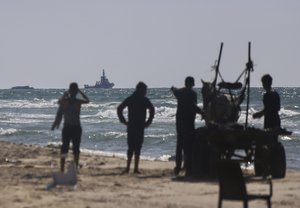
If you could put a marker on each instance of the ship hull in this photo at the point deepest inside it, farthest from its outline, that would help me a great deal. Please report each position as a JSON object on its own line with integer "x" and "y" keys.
{"x": 98, "y": 87}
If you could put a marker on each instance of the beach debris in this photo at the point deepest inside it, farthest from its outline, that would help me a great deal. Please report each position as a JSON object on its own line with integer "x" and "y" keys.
{"x": 28, "y": 166}
{"x": 13, "y": 161}
{"x": 67, "y": 179}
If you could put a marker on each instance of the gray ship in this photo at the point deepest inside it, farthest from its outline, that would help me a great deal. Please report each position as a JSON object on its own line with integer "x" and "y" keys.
{"x": 26, "y": 87}
{"x": 103, "y": 83}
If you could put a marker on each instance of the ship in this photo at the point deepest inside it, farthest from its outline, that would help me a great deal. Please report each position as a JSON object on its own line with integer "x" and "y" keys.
{"x": 22, "y": 88}
{"x": 103, "y": 83}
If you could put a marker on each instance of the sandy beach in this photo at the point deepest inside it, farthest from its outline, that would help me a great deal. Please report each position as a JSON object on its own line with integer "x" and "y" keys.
{"x": 25, "y": 171}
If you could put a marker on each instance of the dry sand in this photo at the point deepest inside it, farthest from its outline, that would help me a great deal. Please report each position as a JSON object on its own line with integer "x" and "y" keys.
{"x": 25, "y": 171}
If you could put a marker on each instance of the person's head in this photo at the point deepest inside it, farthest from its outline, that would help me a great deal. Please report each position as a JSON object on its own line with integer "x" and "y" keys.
{"x": 73, "y": 89}
{"x": 266, "y": 81}
{"x": 189, "y": 82}
{"x": 141, "y": 88}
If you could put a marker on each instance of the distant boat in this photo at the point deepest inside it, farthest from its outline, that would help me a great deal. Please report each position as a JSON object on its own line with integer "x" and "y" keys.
{"x": 103, "y": 83}
{"x": 26, "y": 87}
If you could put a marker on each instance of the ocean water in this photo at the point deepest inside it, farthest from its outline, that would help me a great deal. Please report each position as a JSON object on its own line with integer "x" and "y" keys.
{"x": 26, "y": 117}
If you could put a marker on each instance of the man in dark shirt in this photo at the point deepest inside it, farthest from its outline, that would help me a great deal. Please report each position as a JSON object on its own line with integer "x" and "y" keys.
{"x": 271, "y": 102}
{"x": 185, "y": 123}
{"x": 137, "y": 105}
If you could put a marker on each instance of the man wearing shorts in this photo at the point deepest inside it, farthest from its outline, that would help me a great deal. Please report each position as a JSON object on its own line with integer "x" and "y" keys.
{"x": 69, "y": 109}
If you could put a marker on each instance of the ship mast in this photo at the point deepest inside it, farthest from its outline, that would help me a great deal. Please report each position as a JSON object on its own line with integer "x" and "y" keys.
{"x": 102, "y": 78}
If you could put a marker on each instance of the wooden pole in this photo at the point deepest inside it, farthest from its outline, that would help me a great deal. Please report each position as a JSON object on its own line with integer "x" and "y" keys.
{"x": 217, "y": 67}
{"x": 249, "y": 68}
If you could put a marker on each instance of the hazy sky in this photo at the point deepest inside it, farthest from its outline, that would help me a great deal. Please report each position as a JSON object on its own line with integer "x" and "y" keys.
{"x": 49, "y": 43}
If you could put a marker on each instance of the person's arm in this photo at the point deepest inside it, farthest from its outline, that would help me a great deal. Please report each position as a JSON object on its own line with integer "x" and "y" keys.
{"x": 261, "y": 113}
{"x": 120, "y": 109}
{"x": 151, "y": 114}
{"x": 200, "y": 111}
{"x": 197, "y": 109}
{"x": 58, "y": 119}
{"x": 278, "y": 102}
{"x": 85, "y": 98}
{"x": 174, "y": 91}
{"x": 258, "y": 114}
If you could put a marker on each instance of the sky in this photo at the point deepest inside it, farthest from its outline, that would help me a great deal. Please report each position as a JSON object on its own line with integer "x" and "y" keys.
{"x": 50, "y": 43}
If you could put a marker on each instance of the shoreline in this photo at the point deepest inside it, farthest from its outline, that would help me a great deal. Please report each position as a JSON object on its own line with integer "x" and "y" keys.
{"x": 25, "y": 171}
{"x": 101, "y": 153}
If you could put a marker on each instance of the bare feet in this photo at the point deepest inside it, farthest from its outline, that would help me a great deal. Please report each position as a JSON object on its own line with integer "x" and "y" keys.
{"x": 136, "y": 172}
{"x": 126, "y": 171}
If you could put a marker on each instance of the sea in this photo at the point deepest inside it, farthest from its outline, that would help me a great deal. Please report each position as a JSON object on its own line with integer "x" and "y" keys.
{"x": 26, "y": 117}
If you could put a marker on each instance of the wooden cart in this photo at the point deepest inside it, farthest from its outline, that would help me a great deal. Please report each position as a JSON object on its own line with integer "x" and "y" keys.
{"x": 251, "y": 146}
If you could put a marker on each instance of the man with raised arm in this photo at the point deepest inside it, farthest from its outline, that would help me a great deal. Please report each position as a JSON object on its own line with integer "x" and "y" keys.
{"x": 185, "y": 124}
{"x": 69, "y": 109}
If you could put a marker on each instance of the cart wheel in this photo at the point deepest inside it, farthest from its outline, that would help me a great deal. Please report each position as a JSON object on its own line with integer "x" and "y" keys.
{"x": 261, "y": 161}
{"x": 278, "y": 164}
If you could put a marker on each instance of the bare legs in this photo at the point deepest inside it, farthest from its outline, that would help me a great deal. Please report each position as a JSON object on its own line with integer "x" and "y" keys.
{"x": 136, "y": 163}
{"x": 63, "y": 161}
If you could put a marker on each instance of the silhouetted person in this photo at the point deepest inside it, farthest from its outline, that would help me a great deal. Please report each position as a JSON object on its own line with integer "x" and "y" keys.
{"x": 185, "y": 124}
{"x": 69, "y": 109}
{"x": 271, "y": 102}
{"x": 137, "y": 105}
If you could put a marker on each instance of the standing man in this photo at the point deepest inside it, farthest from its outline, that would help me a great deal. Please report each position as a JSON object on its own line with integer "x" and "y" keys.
{"x": 271, "y": 102}
{"x": 137, "y": 105}
{"x": 185, "y": 124}
{"x": 69, "y": 108}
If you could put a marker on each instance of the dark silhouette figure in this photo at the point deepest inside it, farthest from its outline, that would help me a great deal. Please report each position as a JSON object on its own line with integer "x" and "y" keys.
{"x": 137, "y": 105}
{"x": 69, "y": 109}
{"x": 185, "y": 124}
{"x": 271, "y": 102}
